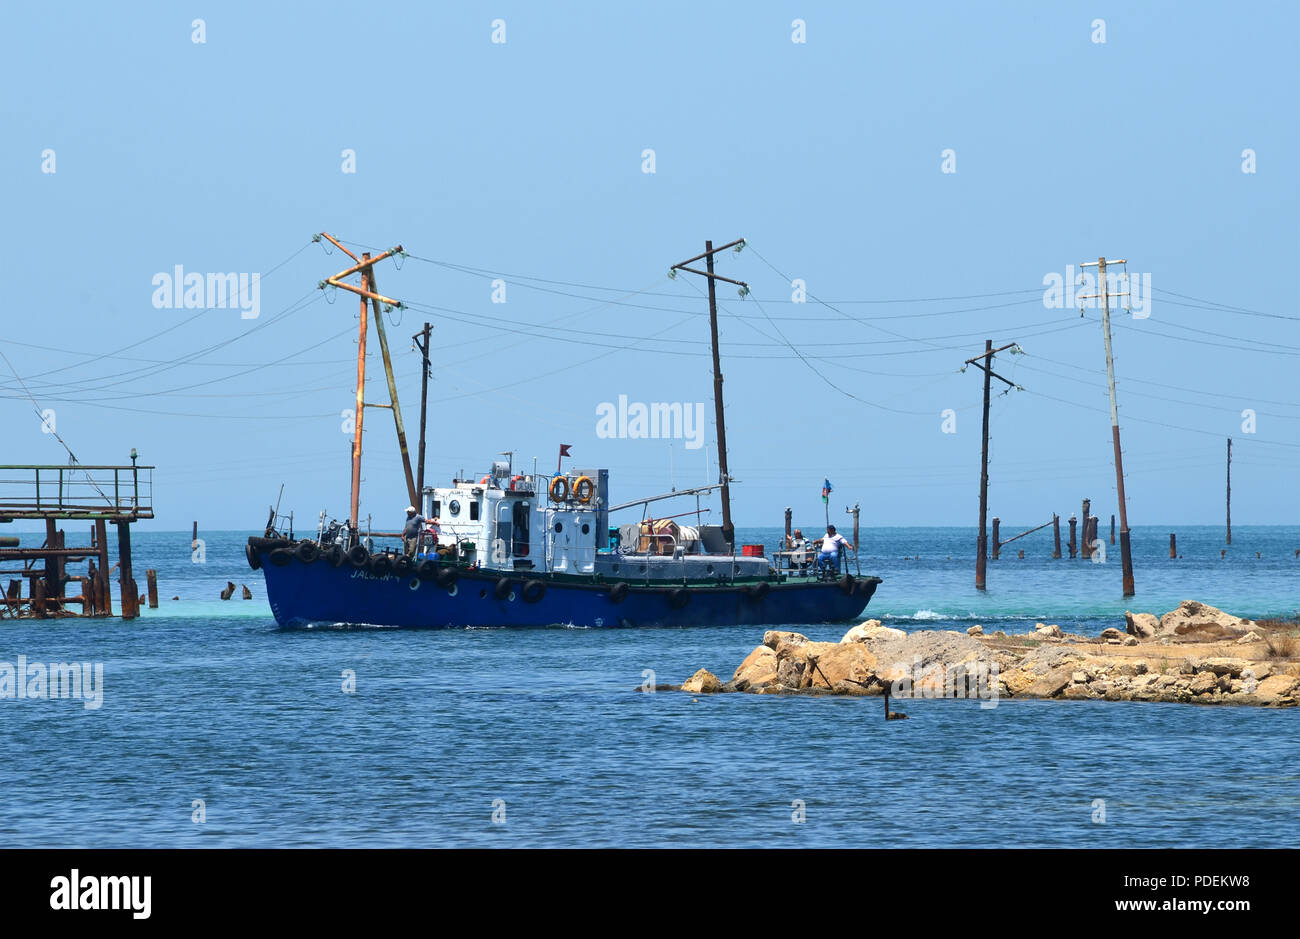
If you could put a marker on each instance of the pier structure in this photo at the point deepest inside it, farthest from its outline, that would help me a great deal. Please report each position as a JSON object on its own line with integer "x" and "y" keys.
{"x": 98, "y": 495}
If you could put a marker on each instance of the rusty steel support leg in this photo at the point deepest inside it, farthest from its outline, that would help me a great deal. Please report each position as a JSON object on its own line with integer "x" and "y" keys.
{"x": 126, "y": 581}
{"x": 104, "y": 591}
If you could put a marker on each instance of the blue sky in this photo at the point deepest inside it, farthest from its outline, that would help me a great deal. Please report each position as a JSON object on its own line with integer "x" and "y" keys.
{"x": 523, "y": 161}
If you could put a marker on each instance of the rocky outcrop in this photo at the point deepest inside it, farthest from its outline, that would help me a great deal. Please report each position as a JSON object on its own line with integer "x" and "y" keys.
{"x": 1192, "y": 654}
{"x": 1195, "y": 620}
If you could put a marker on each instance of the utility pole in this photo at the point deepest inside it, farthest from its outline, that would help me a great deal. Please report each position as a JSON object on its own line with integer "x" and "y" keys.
{"x": 985, "y": 364}
{"x": 728, "y": 531}
{"x": 1125, "y": 550}
{"x": 1229, "y": 541}
{"x": 423, "y": 346}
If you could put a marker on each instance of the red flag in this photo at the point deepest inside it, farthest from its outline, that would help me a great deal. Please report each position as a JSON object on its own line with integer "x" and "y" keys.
{"x": 564, "y": 449}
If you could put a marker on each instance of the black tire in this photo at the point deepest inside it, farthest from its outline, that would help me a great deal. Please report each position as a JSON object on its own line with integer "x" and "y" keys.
{"x": 447, "y": 577}
{"x": 533, "y": 591}
{"x": 403, "y": 565}
{"x": 380, "y": 565}
{"x": 427, "y": 569}
{"x": 618, "y": 592}
{"x": 281, "y": 557}
{"x": 358, "y": 557}
{"x": 307, "y": 551}
{"x": 502, "y": 588}
{"x": 254, "y": 559}
{"x": 758, "y": 591}
{"x": 333, "y": 555}
{"x": 846, "y": 583}
{"x": 678, "y": 598}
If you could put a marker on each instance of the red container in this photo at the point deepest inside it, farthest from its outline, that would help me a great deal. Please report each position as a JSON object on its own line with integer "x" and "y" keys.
{"x": 752, "y": 550}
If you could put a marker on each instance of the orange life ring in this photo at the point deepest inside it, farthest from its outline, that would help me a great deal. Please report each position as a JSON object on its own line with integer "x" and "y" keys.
{"x": 583, "y": 489}
{"x": 562, "y": 484}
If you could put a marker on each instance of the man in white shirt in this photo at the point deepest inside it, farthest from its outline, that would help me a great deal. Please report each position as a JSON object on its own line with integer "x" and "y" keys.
{"x": 829, "y": 556}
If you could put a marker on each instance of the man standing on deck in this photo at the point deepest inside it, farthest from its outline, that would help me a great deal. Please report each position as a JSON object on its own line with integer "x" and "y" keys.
{"x": 411, "y": 532}
{"x": 829, "y": 556}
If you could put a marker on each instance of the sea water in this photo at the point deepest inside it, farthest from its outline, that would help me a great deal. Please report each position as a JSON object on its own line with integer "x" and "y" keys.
{"x": 216, "y": 728}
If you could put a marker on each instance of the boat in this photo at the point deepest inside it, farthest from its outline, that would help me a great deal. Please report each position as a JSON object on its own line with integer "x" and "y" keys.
{"x": 534, "y": 549}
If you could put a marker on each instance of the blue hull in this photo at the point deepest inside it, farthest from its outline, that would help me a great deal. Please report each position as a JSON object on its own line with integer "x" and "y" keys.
{"x": 318, "y": 592}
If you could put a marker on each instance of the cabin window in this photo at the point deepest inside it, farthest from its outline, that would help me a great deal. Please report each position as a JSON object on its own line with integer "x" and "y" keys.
{"x": 585, "y": 528}
{"x": 435, "y": 509}
{"x": 521, "y": 538}
{"x": 473, "y": 511}
{"x": 454, "y": 507}
{"x": 559, "y": 527}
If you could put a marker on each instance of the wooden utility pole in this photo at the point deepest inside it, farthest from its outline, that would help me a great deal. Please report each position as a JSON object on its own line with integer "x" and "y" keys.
{"x": 728, "y": 530}
{"x": 1229, "y": 541}
{"x": 422, "y": 343}
{"x": 985, "y": 363}
{"x": 1125, "y": 549}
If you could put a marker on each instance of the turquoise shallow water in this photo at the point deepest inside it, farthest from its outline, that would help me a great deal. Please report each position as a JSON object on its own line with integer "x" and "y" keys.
{"x": 205, "y": 699}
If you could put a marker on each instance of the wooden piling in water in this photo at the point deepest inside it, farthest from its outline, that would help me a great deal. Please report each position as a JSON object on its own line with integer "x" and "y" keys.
{"x": 1094, "y": 527}
{"x": 1074, "y": 542}
{"x": 151, "y": 580}
{"x": 1112, "y": 529}
{"x": 1056, "y": 535}
{"x": 997, "y": 548}
{"x": 1173, "y": 547}
{"x": 1085, "y": 542}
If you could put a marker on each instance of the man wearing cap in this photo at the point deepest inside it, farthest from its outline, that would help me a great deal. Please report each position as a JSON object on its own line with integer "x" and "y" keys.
{"x": 411, "y": 532}
{"x": 828, "y": 559}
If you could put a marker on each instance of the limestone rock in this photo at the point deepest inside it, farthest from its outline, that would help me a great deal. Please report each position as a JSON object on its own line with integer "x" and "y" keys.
{"x": 702, "y": 682}
{"x": 1050, "y": 685}
{"x": 1274, "y": 689}
{"x": 871, "y": 630}
{"x": 1251, "y": 636}
{"x": 773, "y": 637}
{"x": 759, "y": 667}
{"x": 975, "y": 631}
{"x": 1110, "y": 632}
{"x": 1204, "y": 683}
{"x": 1142, "y": 625}
{"x": 1223, "y": 666}
{"x": 790, "y": 672}
{"x": 1130, "y": 640}
{"x": 848, "y": 662}
{"x": 1193, "y": 619}
{"x": 1043, "y": 631}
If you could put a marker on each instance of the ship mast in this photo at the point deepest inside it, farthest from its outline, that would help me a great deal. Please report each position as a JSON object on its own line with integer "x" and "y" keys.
{"x": 366, "y": 291}
{"x": 728, "y": 530}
